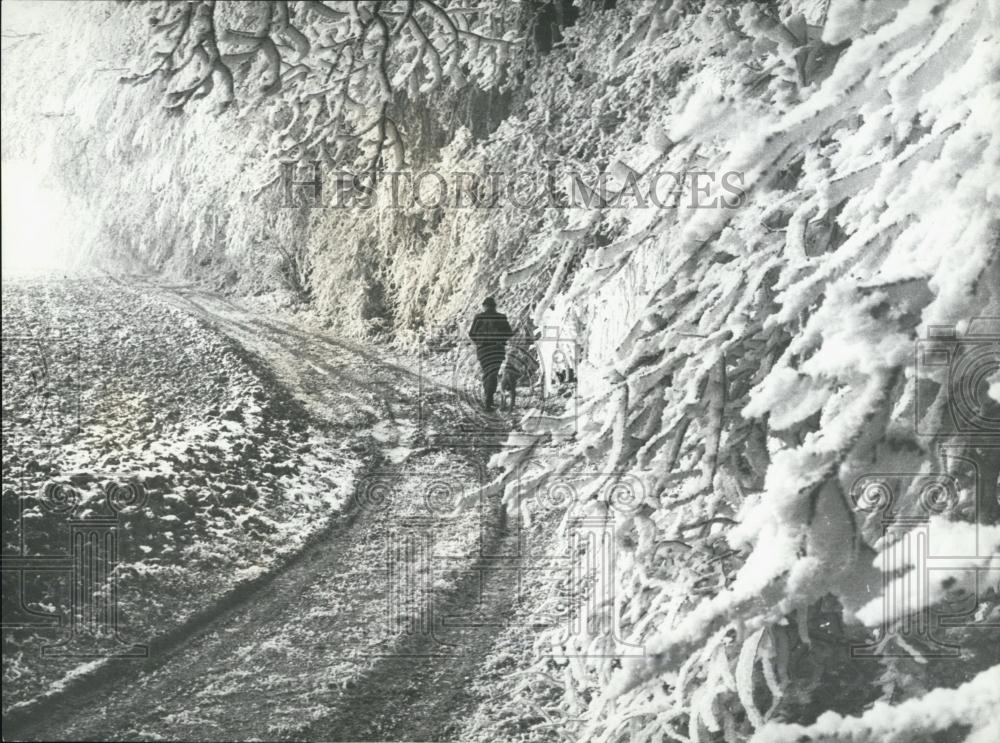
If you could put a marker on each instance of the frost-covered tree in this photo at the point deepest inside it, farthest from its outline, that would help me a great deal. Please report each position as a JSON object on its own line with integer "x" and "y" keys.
{"x": 340, "y": 74}
{"x": 767, "y": 388}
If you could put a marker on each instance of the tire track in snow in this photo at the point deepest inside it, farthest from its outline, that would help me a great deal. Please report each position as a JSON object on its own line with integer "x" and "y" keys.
{"x": 313, "y": 651}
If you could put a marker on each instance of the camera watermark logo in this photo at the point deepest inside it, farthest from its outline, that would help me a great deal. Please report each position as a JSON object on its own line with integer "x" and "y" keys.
{"x": 588, "y": 604}
{"x": 916, "y": 516}
{"x": 46, "y": 368}
{"x": 964, "y": 364}
{"x": 533, "y": 382}
{"x": 418, "y": 526}
{"x": 418, "y": 557}
{"x": 84, "y": 572}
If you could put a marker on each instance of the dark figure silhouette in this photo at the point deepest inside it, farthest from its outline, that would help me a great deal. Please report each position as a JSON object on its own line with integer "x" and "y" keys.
{"x": 490, "y": 331}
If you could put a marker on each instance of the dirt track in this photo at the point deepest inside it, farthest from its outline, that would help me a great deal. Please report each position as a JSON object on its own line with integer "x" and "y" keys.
{"x": 375, "y": 631}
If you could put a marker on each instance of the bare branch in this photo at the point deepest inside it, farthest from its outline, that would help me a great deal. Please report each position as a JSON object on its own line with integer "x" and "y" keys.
{"x": 350, "y": 58}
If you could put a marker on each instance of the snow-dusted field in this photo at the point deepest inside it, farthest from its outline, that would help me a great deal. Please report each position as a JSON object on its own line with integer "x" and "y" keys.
{"x": 254, "y": 432}
{"x": 116, "y": 404}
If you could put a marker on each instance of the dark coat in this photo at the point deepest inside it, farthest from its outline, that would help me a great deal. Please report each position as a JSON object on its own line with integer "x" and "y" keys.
{"x": 490, "y": 331}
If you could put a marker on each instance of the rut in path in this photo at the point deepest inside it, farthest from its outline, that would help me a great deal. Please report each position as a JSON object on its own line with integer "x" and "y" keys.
{"x": 365, "y": 636}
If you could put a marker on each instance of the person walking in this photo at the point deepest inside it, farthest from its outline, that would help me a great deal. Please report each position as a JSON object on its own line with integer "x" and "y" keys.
{"x": 490, "y": 331}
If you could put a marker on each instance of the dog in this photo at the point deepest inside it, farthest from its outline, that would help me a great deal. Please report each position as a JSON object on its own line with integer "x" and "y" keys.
{"x": 509, "y": 378}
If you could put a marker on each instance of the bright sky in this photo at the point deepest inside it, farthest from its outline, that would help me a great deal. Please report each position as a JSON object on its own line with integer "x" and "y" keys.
{"x": 36, "y": 222}
{"x": 39, "y": 228}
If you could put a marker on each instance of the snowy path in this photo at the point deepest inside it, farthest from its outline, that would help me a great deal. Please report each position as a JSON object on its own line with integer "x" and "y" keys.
{"x": 316, "y": 652}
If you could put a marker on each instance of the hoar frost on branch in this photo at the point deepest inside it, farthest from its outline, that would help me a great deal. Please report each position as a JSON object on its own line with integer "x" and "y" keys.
{"x": 339, "y": 73}
{"x": 767, "y": 363}
{"x": 774, "y": 365}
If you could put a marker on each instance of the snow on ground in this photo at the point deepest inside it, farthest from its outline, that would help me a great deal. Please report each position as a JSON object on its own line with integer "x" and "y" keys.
{"x": 316, "y": 651}
{"x": 112, "y": 399}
